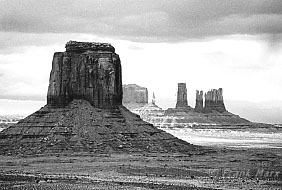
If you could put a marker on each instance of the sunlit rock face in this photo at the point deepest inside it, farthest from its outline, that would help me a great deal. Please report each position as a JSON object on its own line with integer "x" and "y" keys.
{"x": 89, "y": 71}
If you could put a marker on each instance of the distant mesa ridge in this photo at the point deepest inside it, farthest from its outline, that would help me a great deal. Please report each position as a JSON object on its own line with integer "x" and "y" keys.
{"x": 209, "y": 109}
{"x": 213, "y": 100}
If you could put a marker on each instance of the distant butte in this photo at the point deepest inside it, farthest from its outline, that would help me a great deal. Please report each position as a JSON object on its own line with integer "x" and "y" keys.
{"x": 209, "y": 109}
{"x": 134, "y": 96}
{"x": 84, "y": 111}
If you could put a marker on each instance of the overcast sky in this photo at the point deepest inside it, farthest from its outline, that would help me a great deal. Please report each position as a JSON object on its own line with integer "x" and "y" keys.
{"x": 233, "y": 44}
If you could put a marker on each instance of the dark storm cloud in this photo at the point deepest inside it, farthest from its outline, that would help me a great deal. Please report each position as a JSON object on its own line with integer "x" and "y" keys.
{"x": 142, "y": 20}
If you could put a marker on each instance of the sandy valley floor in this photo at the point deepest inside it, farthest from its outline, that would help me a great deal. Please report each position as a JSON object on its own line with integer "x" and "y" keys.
{"x": 213, "y": 169}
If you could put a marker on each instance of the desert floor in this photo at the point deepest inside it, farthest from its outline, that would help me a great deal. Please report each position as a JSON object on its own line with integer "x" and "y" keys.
{"x": 215, "y": 168}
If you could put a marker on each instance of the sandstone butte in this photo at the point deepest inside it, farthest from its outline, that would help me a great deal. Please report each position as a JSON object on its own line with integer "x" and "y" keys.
{"x": 134, "y": 96}
{"x": 209, "y": 109}
{"x": 84, "y": 111}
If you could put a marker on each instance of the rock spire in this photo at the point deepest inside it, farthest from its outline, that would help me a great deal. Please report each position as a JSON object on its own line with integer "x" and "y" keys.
{"x": 153, "y": 99}
{"x": 182, "y": 96}
{"x": 199, "y": 107}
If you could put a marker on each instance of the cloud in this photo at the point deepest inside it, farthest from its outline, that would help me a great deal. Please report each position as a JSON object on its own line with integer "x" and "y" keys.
{"x": 17, "y": 42}
{"x": 142, "y": 20}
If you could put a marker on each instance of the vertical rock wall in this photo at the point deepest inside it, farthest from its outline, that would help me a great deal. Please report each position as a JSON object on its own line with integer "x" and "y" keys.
{"x": 182, "y": 96}
{"x": 89, "y": 71}
{"x": 133, "y": 93}
{"x": 199, "y": 107}
{"x": 214, "y": 101}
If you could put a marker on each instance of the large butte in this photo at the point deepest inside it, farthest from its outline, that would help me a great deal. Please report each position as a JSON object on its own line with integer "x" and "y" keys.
{"x": 84, "y": 111}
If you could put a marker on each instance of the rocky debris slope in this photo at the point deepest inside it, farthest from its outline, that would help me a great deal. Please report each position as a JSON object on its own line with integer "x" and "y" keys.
{"x": 80, "y": 127}
{"x": 84, "y": 111}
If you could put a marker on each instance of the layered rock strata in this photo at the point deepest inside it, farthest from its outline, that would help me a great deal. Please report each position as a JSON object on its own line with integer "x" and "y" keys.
{"x": 181, "y": 96}
{"x": 214, "y": 101}
{"x": 84, "y": 111}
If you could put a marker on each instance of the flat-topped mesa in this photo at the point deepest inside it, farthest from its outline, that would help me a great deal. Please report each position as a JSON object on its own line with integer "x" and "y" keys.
{"x": 89, "y": 71}
{"x": 182, "y": 96}
{"x": 80, "y": 47}
{"x": 133, "y": 93}
{"x": 199, "y": 107}
{"x": 214, "y": 101}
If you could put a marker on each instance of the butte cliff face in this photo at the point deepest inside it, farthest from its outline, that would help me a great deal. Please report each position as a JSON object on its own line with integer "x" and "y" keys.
{"x": 181, "y": 96}
{"x": 199, "y": 107}
{"x": 214, "y": 101}
{"x": 88, "y": 71}
{"x": 134, "y": 96}
{"x": 133, "y": 93}
{"x": 84, "y": 111}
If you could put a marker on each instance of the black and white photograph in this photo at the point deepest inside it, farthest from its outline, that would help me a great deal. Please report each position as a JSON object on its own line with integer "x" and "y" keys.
{"x": 141, "y": 94}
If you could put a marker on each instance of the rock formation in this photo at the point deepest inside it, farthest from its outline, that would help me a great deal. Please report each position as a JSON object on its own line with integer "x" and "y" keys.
{"x": 214, "y": 101}
{"x": 133, "y": 93}
{"x": 153, "y": 99}
{"x": 150, "y": 112}
{"x": 199, "y": 107}
{"x": 181, "y": 96}
{"x": 89, "y": 71}
{"x": 214, "y": 113}
{"x": 84, "y": 111}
